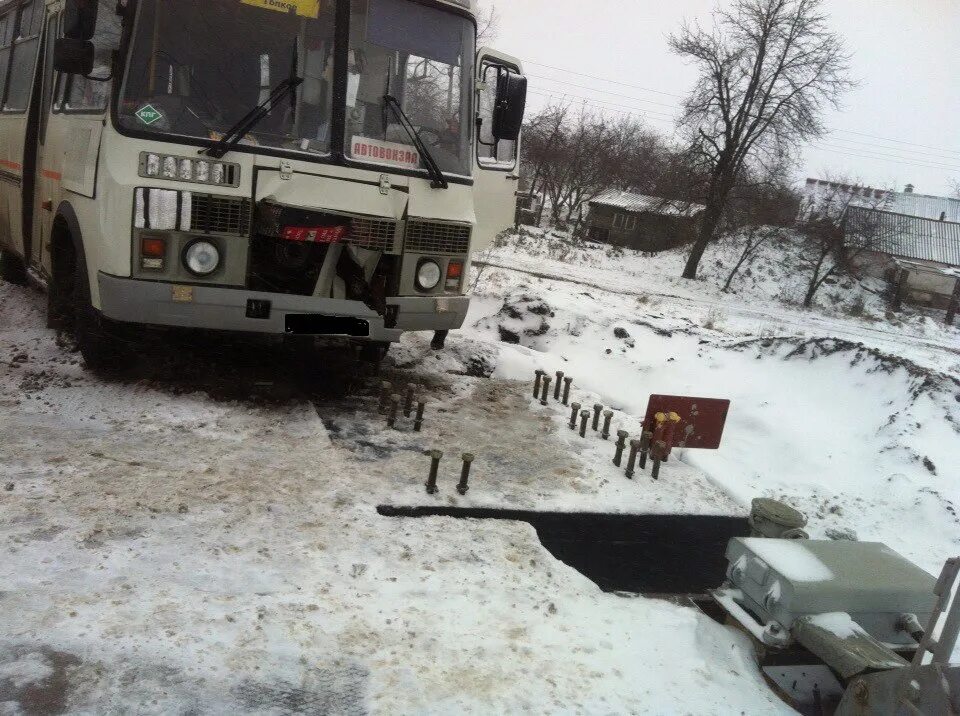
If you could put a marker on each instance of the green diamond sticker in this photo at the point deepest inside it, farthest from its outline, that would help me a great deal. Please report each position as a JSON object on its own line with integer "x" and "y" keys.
{"x": 149, "y": 114}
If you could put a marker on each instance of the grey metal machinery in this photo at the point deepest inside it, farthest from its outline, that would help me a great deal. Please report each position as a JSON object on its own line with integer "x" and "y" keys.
{"x": 839, "y": 625}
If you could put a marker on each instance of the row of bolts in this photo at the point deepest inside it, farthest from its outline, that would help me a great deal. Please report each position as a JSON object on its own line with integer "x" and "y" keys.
{"x": 390, "y": 406}
{"x": 641, "y": 447}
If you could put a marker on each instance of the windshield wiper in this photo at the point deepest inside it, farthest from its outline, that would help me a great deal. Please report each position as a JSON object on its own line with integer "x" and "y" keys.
{"x": 439, "y": 180}
{"x": 250, "y": 120}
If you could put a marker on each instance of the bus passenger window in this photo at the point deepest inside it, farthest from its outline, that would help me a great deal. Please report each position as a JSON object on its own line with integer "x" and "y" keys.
{"x": 24, "y": 55}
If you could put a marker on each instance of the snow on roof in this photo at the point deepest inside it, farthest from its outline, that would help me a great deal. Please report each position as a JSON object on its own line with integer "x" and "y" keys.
{"x": 650, "y": 204}
{"x": 909, "y": 237}
{"x": 909, "y": 203}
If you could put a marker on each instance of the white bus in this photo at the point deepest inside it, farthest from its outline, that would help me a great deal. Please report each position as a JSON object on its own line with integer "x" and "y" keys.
{"x": 287, "y": 167}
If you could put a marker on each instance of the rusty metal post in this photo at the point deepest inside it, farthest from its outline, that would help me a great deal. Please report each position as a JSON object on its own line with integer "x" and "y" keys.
{"x": 546, "y": 390}
{"x": 567, "y": 382}
{"x": 584, "y": 419}
{"x": 632, "y": 460}
{"x": 394, "y": 410}
{"x": 673, "y": 420}
{"x": 597, "y": 409}
{"x": 536, "y": 383}
{"x": 418, "y": 423}
{"x": 435, "y": 457}
{"x": 657, "y": 453}
{"x": 574, "y": 412}
{"x": 408, "y": 403}
{"x": 557, "y": 388}
{"x": 607, "y": 418}
{"x": 464, "y": 485}
{"x": 386, "y": 388}
{"x": 645, "y": 437}
{"x": 621, "y": 444}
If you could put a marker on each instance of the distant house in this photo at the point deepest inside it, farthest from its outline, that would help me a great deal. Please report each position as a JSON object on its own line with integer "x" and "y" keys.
{"x": 643, "y": 223}
{"x": 912, "y": 240}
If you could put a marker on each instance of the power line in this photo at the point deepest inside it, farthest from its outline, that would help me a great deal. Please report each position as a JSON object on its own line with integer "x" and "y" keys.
{"x": 671, "y": 94}
{"x": 663, "y": 116}
{"x": 889, "y": 160}
{"x": 604, "y": 79}
{"x": 603, "y": 91}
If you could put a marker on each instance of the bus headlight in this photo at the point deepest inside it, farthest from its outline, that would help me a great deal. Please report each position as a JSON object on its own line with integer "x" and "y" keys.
{"x": 201, "y": 258}
{"x": 428, "y": 274}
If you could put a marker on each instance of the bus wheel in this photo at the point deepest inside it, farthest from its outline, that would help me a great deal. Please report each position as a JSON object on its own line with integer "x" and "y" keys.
{"x": 101, "y": 342}
{"x": 12, "y": 268}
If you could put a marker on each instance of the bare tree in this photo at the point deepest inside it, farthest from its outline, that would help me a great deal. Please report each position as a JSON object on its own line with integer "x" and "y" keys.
{"x": 838, "y": 225}
{"x": 768, "y": 70}
{"x": 488, "y": 25}
{"x": 759, "y": 208}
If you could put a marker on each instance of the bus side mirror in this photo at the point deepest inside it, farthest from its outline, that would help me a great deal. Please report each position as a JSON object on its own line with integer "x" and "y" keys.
{"x": 80, "y": 19}
{"x": 511, "y": 104}
{"x": 73, "y": 57}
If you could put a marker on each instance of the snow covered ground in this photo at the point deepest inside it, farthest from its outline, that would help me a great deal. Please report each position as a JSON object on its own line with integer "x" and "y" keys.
{"x": 164, "y": 551}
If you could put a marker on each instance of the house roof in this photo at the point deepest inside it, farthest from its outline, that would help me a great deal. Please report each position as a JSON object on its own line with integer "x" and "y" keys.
{"x": 640, "y": 203}
{"x": 899, "y": 202}
{"x": 911, "y": 237}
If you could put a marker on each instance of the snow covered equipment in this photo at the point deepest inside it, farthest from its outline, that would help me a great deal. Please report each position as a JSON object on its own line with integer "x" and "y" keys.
{"x": 557, "y": 387}
{"x": 567, "y": 382}
{"x": 574, "y": 412}
{"x": 772, "y": 518}
{"x": 847, "y": 613}
{"x": 584, "y": 420}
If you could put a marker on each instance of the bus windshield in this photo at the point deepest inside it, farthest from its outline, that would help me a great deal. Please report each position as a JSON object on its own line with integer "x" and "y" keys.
{"x": 422, "y": 56}
{"x": 196, "y": 68}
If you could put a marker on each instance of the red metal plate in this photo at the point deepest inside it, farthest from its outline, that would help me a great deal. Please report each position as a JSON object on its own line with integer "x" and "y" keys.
{"x": 701, "y": 419}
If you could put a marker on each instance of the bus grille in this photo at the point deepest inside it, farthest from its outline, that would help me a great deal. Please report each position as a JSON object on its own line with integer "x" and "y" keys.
{"x": 220, "y": 214}
{"x": 424, "y": 237}
{"x": 373, "y": 234}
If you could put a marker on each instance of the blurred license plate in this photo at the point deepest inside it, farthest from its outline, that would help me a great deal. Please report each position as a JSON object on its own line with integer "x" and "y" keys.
{"x": 313, "y": 325}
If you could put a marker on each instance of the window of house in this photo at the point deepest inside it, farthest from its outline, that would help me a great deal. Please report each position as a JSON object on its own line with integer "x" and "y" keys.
{"x": 22, "y": 53}
{"x": 630, "y": 222}
{"x": 84, "y": 93}
{"x": 618, "y": 221}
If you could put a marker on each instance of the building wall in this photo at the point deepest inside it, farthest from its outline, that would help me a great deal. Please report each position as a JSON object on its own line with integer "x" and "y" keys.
{"x": 653, "y": 232}
{"x": 923, "y": 288}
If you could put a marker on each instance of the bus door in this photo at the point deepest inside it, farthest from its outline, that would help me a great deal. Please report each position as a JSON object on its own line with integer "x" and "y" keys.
{"x": 497, "y": 174}
{"x": 41, "y": 204}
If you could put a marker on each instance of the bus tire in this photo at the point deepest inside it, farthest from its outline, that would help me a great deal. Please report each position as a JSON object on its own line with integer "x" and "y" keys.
{"x": 12, "y": 268}
{"x": 100, "y": 340}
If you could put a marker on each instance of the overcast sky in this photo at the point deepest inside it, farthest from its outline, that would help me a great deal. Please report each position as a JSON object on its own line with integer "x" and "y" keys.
{"x": 902, "y": 124}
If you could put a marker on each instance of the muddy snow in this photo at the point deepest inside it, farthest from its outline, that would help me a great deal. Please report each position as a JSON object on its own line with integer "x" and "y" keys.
{"x": 168, "y": 546}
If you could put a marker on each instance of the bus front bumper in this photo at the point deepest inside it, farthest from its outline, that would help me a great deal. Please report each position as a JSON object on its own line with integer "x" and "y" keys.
{"x": 229, "y": 309}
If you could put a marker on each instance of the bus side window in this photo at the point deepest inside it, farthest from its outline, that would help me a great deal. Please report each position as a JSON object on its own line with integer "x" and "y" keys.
{"x": 491, "y": 153}
{"x": 7, "y": 24}
{"x": 26, "y": 41}
{"x": 91, "y": 94}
